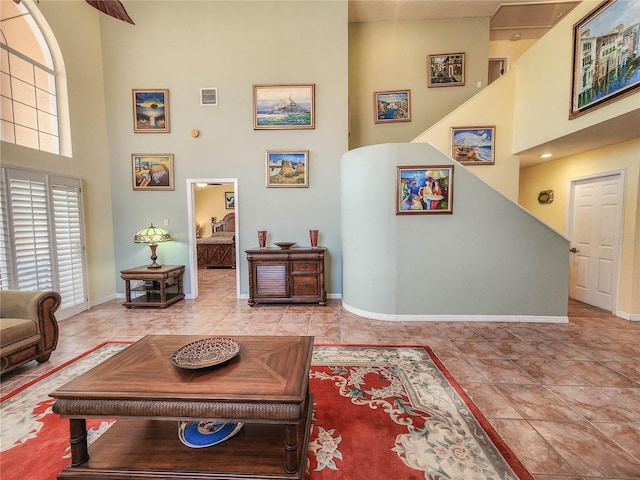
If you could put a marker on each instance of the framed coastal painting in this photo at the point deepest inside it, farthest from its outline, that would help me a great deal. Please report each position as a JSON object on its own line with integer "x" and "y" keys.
{"x": 473, "y": 145}
{"x": 150, "y": 110}
{"x": 284, "y": 107}
{"x": 606, "y": 56}
{"x": 287, "y": 168}
{"x": 424, "y": 190}
{"x": 445, "y": 70}
{"x": 392, "y": 106}
{"x": 152, "y": 171}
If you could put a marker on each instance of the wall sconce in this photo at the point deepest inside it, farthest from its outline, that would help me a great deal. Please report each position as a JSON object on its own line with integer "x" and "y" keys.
{"x": 152, "y": 235}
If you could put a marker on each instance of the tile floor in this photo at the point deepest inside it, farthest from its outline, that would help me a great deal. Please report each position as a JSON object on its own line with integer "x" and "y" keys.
{"x": 566, "y": 398}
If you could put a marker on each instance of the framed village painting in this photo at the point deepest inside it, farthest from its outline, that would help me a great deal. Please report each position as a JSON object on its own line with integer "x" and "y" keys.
{"x": 473, "y": 145}
{"x": 152, "y": 171}
{"x": 287, "y": 168}
{"x": 606, "y": 56}
{"x": 150, "y": 111}
{"x": 392, "y": 106}
{"x": 424, "y": 190}
{"x": 445, "y": 70}
{"x": 284, "y": 107}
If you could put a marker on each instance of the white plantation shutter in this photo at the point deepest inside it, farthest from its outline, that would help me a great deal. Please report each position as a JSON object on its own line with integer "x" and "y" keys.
{"x": 42, "y": 238}
{"x": 32, "y": 246}
{"x": 69, "y": 250}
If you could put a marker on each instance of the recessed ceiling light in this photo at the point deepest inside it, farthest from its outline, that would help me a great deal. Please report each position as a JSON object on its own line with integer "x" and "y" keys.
{"x": 546, "y": 155}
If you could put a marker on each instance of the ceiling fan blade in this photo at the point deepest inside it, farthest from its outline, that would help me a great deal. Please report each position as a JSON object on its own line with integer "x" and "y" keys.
{"x": 113, "y": 8}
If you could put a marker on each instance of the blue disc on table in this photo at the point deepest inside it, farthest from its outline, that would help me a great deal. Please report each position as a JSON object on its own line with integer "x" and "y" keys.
{"x": 206, "y": 433}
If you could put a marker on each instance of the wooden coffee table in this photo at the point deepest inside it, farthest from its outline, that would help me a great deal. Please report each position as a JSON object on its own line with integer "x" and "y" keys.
{"x": 266, "y": 386}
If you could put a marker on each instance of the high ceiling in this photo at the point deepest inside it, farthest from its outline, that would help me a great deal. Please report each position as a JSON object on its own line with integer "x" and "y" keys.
{"x": 525, "y": 19}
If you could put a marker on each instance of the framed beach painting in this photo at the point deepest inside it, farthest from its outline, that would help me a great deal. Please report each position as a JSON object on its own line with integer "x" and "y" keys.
{"x": 152, "y": 171}
{"x": 392, "y": 106}
{"x": 606, "y": 56}
{"x": 287, "y": 168}
{"x": 473, "y": 145}
{"x": 445, "y": 70}
{"x": 150, "y": 110}
{"x": 424, "y": 190}
{"x": 284, "y": 107}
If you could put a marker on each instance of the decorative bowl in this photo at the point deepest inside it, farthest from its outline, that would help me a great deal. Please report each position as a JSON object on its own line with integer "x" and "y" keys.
{"x": 285, "y": 245}
{"x": 206, "y": 433}
{"x": 205, "y": 353}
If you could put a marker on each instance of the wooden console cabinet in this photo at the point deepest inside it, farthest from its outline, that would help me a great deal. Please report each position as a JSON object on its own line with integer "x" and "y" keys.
{"x": 294, "y": 275}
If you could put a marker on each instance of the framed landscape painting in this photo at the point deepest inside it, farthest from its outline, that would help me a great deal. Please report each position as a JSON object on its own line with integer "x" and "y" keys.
{"x": 473, "y": 145}
{"x": 392, "y": 106}
{"x": 424, "y": 190}
{"x": 287, "y": 168}
{"x": 445, "y": 70}
{"x": 284, "y": 107}
{"x": 152, "y": 171}
{"x": 150, "y": 111}
{"x": 606, "y": 56}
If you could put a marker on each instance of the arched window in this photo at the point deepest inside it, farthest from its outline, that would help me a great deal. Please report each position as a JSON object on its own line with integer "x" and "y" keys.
{"x": 31, "y": 82}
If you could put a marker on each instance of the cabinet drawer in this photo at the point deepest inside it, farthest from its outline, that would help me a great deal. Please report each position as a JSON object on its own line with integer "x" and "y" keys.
{"x": 305, "y": 286}
{"x": 304, "y": 266}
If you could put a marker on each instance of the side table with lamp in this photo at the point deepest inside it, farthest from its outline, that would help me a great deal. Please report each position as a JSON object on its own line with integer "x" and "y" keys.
{"x": 159, "y": 285}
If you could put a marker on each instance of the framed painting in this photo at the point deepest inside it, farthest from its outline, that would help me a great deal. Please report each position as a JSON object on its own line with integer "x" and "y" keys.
{"x": 473, "y": 145}
{"x": 150, "y": 111}
{"x": 284, "y": 107}
{"x": 229, "y": 200}
{"x": 605, "y": 56}
{"x": 445, "y": 70}
{"x": 287, "y": 168}
{"x": 424, "y": 190}
{"x": 392, "y": 106}
{"x": 152, "y": 171}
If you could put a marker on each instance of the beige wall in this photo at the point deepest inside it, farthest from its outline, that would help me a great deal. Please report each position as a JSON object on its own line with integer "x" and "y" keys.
{"x": 210, "y": 202}
{"x": 557, "y": 176}
{"x": 393, "y": 56}
{"x": 75, "y": 25}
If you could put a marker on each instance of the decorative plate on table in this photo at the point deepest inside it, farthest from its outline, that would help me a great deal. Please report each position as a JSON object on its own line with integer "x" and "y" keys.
{"x": 285, "y": 245}
{"x": 205, "y": 353}
{"x": 206, "y": 433}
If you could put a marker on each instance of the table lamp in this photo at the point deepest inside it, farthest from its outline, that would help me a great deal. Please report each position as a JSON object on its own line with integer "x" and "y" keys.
{"x": 152, "y": 235}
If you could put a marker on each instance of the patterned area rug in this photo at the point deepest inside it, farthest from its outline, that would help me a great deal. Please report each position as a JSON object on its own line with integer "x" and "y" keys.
{"x": 378, "y": 411}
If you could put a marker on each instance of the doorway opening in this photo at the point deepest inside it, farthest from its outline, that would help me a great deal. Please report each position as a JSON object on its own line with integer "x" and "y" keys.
{"x": 497, "y": 68}
{"x": 205, "y": 209}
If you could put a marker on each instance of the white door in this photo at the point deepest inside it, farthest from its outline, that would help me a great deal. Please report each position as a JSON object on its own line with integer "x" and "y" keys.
{"x": 596, "y": 232}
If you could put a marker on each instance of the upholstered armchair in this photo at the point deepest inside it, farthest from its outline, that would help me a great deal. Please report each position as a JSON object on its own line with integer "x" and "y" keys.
{"x": 28, "y": 327}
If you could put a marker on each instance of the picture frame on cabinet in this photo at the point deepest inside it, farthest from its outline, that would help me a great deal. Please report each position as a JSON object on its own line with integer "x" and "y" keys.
{"x": 424, "y": 190}
{"x": 150, "y": 110}
{"x": 605, "y": 56}
{"x": 287, "y": 168}
{"x": 392, "y": 106}
{"x": 473, "y": 145}
{"x": 446, "y": 70}
{"x": 284, "y": 107}
{"x": 152, "y": 171}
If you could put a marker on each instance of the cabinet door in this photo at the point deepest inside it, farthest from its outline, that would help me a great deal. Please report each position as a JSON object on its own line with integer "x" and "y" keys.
{"x": 271, "y": 280}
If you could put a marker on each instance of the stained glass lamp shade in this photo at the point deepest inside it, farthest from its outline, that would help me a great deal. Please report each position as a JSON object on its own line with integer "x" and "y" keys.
{"x": 152, "y": 235}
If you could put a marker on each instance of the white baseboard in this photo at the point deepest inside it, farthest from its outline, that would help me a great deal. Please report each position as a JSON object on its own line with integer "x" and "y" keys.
{"x": 457, "y": 318}
{"x": 627, "y": 316}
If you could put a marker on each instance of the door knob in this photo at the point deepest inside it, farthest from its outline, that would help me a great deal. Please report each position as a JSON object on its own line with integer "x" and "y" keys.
{"x": 574, "y": 250}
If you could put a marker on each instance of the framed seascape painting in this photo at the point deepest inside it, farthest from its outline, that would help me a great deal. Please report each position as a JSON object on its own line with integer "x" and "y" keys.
{"x": 445, "y": 70}
{"x": 424, "y": 189}
{"x": 284, "y": 107}
{"x": 473, "y": 145}
{"x": 152, "y": 171}
{"x": 151, "y": 111}
{"x": 229, "y": 200}
{"x": 392, "y": 106}
{"x": 606, "y": 56}
{"x": 287, "y": 168}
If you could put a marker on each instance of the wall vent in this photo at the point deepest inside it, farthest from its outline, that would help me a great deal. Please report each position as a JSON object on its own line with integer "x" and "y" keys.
{"x": 208, "y": 97}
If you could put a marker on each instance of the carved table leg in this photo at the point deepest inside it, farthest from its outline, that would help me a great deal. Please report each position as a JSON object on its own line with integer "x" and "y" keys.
{"x": 291, "y": 448}
{"x": 78, "y": 441}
